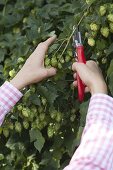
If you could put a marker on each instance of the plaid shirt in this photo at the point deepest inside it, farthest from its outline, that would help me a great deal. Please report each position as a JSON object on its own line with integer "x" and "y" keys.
{"x": 96, "y": 149}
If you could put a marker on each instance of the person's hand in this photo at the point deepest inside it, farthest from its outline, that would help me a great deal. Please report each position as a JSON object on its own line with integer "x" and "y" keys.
{"x": 91, "y": 76}
{"x": 33, "y": 70}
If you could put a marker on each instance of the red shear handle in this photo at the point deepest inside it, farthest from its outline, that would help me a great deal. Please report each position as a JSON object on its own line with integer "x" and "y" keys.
{"x": 81, "y": 59}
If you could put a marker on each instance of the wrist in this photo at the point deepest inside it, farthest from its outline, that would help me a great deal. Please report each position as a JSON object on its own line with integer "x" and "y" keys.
{"x": 18, "y": 81}
{"x": 99, "y": 88}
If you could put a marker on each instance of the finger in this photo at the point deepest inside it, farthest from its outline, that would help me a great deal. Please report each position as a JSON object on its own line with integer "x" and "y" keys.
{"x": 43, "y": 46}
{"x": 75, "y": 83}
{"x": 87, "y": 90}
{"x": 51, "y": 71}
{"x": 81, "y": 68}
{"x": 74, "y": 75}
{"x": 50, "y": 40}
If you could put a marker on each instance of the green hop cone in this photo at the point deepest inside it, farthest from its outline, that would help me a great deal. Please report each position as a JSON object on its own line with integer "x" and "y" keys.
{"x": 6, "y": 132}
{"x": 72, "y": 118}
{"x": 25, "y": 124}
{"x": 20, "y": 60}
{"x": 40, "y": 109}
{"x": 25, "y": 20}
{"x": 25, "y": 113}
{"x": 16, "y": 30}
{"x": 104, "y": 60}
{"x": 67, "y": 58}
{"x": 102, "y": 10}
{"x": 105, "y": 31}
{"x": 58, "y": 117}
{"x": 54, "y": 62}
{"x": 18, "y": 127}
{"x": 50, "y": 131}
{"x": 89, "y": 2}
{"x": 110, "y": 17}
{"x": 53, "y": 114}
{"x": 59, "y": 65}
{"x": 91, "y": 42}
{"x": 111, "y": 27}
{"x": 11, "y": 126}
{"x": 47, "y": 61}
{"x": 94, "y": 27}
{"x": 12, "y": 73}
{"x": 19, "y": 107}
{"x": 62, "y": 61}
{"x": 42, "y": 116}
{"x": 44, "y": 101}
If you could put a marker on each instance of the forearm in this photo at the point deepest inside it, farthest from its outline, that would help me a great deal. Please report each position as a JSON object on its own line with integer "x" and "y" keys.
{"x": 9, "y": 96}
{"x": 95, "y": 150}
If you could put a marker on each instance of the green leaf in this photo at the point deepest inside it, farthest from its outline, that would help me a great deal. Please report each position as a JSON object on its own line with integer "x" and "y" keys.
{"x": 39, "y": 144}
{"x": 36, "y": 136}
{"x": 110, "y": 69}
{"x": 49, "y": 92}
{"x": 2, "y": 54}
{"x": 110, "y": 49}
{"x": 110, "y": 81}
{"x": 35, "y": 99}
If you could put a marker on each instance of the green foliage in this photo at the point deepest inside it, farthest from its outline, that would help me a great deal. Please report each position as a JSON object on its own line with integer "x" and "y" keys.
{"x": 45, "y": 127}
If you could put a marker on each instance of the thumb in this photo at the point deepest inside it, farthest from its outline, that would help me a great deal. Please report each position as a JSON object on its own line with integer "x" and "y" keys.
{"x": 51, "y": 71}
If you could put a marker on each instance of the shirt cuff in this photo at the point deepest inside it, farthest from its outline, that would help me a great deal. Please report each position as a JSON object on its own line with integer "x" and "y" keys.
{"x": 100, "y": 109}
{"x": 9, "y": 96}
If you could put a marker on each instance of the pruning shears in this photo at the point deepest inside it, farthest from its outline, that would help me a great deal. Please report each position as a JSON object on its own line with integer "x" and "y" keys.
{"x": 79, "y": 54}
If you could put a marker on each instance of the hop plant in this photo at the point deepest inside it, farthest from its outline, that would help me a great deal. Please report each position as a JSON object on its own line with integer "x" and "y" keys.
{"x": 67, "y": 58}
{"x": 25, "y": 112}
{"x": 25, "y": 124}
{"x": 5, "y": 132}
{"x": 105, "y": 31}
{"x": 54, "y": 62}
{"x": 110, "y": 17}
{"x": 20, "y": 60}
{"x": 19, "y": 107}
{"x": 11, "y": 126}
{"x": 50, "y": 131}
{"x": 91, "y": 42}
{"x": 89, "y": 2}
{"x": 59, "y": 65}
{"x": 18, "y": 127}
{"x": 102, "y": 10}
{"x": 111, "y": 27}
{"x": 47, "y": 61}
{"x": 94, "y": 27}
{"x": 12, "y": 73}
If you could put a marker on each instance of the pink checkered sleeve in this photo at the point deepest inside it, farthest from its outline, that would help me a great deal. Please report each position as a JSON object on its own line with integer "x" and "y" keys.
{"x": 9, "y": 96}
{"x": 96, "y": 149}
